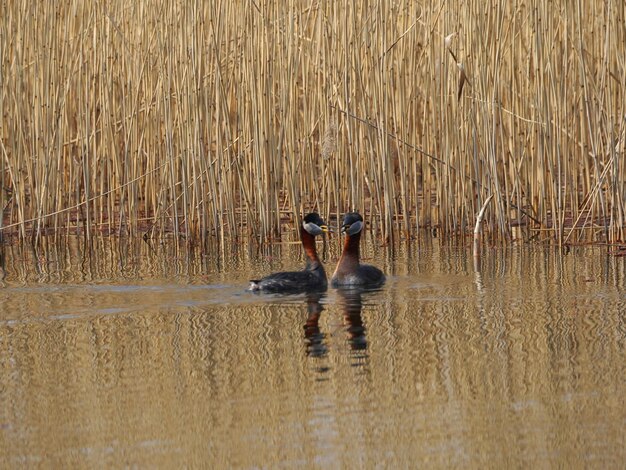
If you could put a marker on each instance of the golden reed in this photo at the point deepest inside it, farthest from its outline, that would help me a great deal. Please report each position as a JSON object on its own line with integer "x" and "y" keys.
{"x": 222, "y": 118}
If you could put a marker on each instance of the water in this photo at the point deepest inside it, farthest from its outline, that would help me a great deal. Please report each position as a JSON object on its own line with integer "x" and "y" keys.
{"x": 128, "y": 355}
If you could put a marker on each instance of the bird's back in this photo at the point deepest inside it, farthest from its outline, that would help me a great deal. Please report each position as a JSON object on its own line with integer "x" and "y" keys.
{"x": 291, "y": 281}
{"x": 363, "y": 275}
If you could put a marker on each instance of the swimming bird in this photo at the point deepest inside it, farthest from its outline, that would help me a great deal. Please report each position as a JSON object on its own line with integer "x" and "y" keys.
{"x": 350, "y": 272}
{"x": 312, "y": 277}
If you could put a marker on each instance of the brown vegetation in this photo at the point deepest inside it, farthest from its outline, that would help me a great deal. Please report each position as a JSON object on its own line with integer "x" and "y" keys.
{"x": 210, "y": 119}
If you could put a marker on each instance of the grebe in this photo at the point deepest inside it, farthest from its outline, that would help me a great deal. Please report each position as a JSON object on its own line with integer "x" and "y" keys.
{"x": 312, "y": 278}
{"x": 350, "y": 272}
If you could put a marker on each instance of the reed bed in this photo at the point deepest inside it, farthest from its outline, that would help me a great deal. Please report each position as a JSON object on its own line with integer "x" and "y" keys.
{"x": 218, "y": 119}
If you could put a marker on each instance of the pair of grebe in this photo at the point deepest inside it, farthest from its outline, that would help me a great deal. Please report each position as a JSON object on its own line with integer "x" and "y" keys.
{"x": 349, "y": 272}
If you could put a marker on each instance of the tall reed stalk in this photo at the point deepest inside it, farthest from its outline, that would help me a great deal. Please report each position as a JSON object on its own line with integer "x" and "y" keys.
{"x": 223, "y": 119}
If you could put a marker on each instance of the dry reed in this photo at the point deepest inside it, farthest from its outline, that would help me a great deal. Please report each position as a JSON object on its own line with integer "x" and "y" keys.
{"x": 217, "y": 119}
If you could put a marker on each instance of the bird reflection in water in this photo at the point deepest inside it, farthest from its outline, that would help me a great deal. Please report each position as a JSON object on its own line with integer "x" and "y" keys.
{"x": 351, "y": 305}
{"x": 315, "y": 346}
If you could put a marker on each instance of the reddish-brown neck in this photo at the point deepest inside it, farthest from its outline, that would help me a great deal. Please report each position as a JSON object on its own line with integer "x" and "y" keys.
{"x": 349, "y": 261}
{"x": 351, "y": 246}
{"x": 308, "y": 241}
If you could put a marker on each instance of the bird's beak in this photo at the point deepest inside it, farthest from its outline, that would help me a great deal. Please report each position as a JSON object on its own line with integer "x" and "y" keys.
{"x": 344, "y": 228}
{"x": 325, "y": 229}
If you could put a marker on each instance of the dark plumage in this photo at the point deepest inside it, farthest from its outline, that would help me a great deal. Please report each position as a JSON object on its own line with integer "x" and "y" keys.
{"x": 312, "y": 278}
{"x": 349, "y": 271}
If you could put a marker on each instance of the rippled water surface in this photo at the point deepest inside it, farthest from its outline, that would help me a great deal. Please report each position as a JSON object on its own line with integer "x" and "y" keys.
{"x": 129, "y": 355}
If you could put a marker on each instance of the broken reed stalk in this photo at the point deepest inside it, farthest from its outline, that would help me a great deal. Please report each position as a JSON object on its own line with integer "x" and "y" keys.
{"x": 479, "y": 221}
{"x": 209, "y": 119}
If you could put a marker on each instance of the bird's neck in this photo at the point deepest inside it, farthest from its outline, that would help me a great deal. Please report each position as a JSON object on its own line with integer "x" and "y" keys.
{"x": 351, "y": 252}
{"x": 308, "y": 242}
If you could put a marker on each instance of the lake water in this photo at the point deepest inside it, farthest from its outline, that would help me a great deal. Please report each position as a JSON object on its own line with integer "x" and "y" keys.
{"x": 126, "y": 355}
